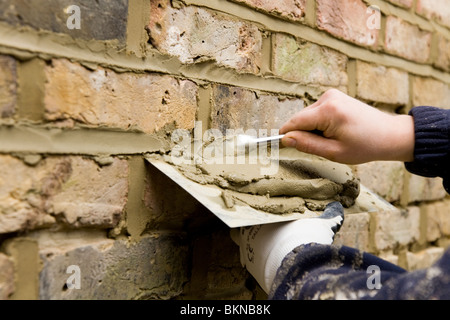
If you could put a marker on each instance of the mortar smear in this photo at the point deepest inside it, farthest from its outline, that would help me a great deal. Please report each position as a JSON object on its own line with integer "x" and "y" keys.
{"x": 292, "y": 187}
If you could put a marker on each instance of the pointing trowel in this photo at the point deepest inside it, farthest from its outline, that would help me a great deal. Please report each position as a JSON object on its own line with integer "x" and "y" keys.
{"x": 243, "y": 215}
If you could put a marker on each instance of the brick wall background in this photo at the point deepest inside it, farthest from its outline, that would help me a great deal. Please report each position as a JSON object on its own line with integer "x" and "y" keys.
{"x": 80, "y": 108}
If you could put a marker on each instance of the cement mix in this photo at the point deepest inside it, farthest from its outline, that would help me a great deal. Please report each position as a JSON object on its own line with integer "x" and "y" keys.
{"x": 267, "y": 181}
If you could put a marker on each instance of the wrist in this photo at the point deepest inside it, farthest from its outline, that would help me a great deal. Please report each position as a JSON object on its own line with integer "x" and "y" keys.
{"x": 402, "y": 139}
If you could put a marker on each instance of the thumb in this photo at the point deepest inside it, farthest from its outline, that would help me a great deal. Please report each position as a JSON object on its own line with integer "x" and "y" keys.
{"x": 310, "y": 142}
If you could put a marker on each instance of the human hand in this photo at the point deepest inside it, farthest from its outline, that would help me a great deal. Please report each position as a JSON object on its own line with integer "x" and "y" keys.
{"x": 351, "y": 131}
{"x": 263, "y": 247}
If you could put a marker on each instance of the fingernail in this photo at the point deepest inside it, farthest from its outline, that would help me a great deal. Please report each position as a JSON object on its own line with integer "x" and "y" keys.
{"x": 289, "y": 142}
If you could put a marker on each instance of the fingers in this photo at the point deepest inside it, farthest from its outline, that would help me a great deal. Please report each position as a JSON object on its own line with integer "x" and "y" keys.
{"x": 334, "y": 215}
{"x": 307, "y": 119}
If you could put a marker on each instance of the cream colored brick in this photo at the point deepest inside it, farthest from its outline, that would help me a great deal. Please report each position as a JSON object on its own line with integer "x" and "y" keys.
{"x": 195, "y": 34}
{"x": 438, "y": 219}
{"x": 396, "y": 228}
{"x": 239, "y": 108}
{"x": 104, "y": 98}
{"x": 385, "y": 178}
{"x": 430, "y": 92}
{"x": 443, "y": 57}
{"x": 392, "y": 85}
{"x": 71, "y": 190}
{"x": 355, "y": 231}
{"x": 424, "y": 189}
{"x": 423, "y": 259}
{"x": 308, "y": 63}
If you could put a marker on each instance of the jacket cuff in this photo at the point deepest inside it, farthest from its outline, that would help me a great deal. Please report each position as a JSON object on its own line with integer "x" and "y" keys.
{"x": 432, "y": 143}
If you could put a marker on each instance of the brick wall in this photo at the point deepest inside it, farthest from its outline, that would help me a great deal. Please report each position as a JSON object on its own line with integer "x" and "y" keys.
{"x": 80, "y": 108}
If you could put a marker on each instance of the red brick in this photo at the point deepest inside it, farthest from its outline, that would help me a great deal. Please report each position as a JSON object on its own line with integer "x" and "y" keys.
{"x": 438, "y": 10}
{"x": 407, "y": 40}
{"x": 144, "y": 102}
{"x": 308, "y": 63}
{"x": 8, "y": 86}
{"x": 194, "y": 34}
{"x": 290, "y": 9}
{"x": 348, "y": 20}
{"x": 71, "y": 190}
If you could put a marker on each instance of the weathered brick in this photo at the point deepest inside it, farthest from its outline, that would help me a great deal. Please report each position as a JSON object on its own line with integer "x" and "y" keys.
{"x": 217, "y": 273}
{"x": 385, "y": 178}
{"x": 155, "y": 267}
{"x": 355, "y": 231}
{"x": 194, "y": 34}
{"x": 396, "y": 228}
{"x": 402, "y": 3}
{"x": 438, "y": 10}
{"x": 430, "y": 92}
{"x": 6, "y": 277}
{"x": 392, "y": 84}
{"x": 71, "y": 190}
{"x": 443, "y": 57}
{"x": 100, "y": 20}
{"x": 289, "y": 9}
{"x": 8, "y": 86}
{"x": 424, "y": 189}
{"x": 144, "y": 102}
{"x": 347, "y": 19}
{"x": 407, "y": 40}
{"x": 238, "y": 108}
{"x": 308, "y": 63}
{"x": 423, "y": 259}
{"x": 438, "y": 219}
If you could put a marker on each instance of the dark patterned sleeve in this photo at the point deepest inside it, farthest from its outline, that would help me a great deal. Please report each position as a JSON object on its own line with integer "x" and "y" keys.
{"x": 329, "y": 272}
{"x": 432, "y": 143}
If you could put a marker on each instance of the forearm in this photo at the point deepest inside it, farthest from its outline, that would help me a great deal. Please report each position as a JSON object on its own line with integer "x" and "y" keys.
{"x": 397, "y": 143}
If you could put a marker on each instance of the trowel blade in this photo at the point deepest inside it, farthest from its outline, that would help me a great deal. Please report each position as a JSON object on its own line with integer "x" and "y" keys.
{"x": 243, "y": 215}
{"x": 211, "y": 197}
